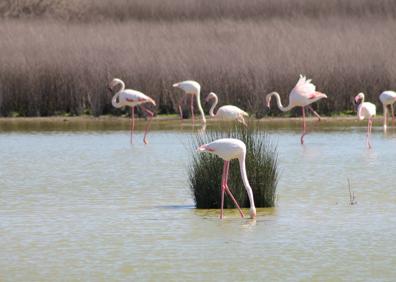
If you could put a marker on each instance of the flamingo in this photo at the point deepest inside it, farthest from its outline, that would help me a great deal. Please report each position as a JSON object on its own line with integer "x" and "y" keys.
{"x": 131, "y": 98}
{"x": 228, "y": 149}
{"x": 302, "y": 95}
{"x": 227, "y": 112}
{"x": 366, "y": 110}
{"x": 192, "y": 88}
{"x": 388, "y": 98}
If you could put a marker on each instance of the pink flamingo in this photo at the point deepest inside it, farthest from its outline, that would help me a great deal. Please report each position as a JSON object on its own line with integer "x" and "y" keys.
{"x": 388, "y": 98}
{"x": 227, "y": 112}
{"x": 366, "y": 110}
{"x": 302, "y": 95}
{"x": 131, "y": 98}
{"x": 228, "y": 149}
{"x": 192, "y": 88}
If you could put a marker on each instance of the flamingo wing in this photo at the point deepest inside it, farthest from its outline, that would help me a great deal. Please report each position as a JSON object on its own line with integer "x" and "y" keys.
{"x": 304, "y": 88}
{"x": 134, "y": 97}
{"x": 230, "y": 112}
{"x": 366, "y": 110}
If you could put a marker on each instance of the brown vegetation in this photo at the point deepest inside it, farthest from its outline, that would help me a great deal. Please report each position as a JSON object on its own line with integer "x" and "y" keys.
{"x": 51, "y": 67}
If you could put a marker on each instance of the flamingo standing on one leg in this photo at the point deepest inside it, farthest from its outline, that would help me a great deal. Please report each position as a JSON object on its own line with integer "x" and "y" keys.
{"x": 302, "y": 95}
{"x": 366, "y": 110}
{"x": 388, "y": 98}
{"x": 227, "y": 112}
{"x": 191, "y": 88}
{"x": 228, "y": 149}
{"x": 131, "y": 98}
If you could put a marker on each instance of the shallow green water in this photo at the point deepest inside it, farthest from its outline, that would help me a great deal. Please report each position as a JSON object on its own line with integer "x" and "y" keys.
{"x": 87, "y": 205}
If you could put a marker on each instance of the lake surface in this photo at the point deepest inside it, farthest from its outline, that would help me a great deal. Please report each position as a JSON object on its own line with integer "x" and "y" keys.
{"x": 88, "y": 205}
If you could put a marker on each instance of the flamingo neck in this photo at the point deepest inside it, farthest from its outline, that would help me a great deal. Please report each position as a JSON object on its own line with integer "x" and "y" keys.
{"x": 114, "y": 100}
{"x": 278, "y": 101}
{"x": 199, "y": 106}
{"x": 245, "y": 180}
{"x": 216, "y": 101}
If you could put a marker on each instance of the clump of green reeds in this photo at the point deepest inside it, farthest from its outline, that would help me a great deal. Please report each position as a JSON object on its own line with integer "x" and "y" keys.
{"x": 261, "y": 164}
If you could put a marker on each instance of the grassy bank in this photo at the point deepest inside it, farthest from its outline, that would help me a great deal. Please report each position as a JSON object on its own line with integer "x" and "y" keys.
{"x": 50, "y": 67}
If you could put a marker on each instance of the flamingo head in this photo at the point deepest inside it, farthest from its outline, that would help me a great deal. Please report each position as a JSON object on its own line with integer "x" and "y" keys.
{"x": 151, "y": 101}
{"x": 359, "y": 97}
{"x": 211, "y": 95}
{"x": 252, "y": 212}
{"x": 205, "y": 148}
{"x": 113, "y": 83}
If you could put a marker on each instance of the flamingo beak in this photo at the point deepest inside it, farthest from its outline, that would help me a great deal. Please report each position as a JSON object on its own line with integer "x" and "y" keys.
{"x": 110, "y": 89}
{"x": 201, "y": 148}
{"x": 204, "y": 148}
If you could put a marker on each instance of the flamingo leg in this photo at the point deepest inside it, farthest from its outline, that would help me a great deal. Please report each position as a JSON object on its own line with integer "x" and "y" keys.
{"x": 192, "y": 108}
{"x": 180, "y": 106}
{"x": 150, "y": 114}
{"x": 385, "y": 116}
{"x": 393, "y": 115}
{"x": 132, "y": 121}
{"x": 304, "y": 126}
{"x": 314, "y": 112}
{"x": 228, "y": 189}
{"x": 223, "y": 177}
{"x": 370, "y": 122}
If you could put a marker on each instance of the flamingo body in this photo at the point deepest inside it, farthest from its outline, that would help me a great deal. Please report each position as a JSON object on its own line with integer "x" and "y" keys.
{"x": 228, "y": 149}
{"x": 192, "y": 89}
{"x": 132, "y": 98}
{"x": 366, "y": 110}
{"x": 388, "y": 98}
{"x": 227, "y": 112}
{"x": 302, "y": 95}
{"x": 189, "y": 86}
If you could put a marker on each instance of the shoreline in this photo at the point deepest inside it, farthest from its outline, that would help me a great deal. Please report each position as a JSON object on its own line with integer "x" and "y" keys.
{"x": 172, "y": 122}
{"x": 173, "y": 117}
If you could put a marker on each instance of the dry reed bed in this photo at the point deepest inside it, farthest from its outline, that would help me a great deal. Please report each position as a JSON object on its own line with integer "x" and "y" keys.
{"x": 48, "y": 67}
{"x": 170, "y": 10}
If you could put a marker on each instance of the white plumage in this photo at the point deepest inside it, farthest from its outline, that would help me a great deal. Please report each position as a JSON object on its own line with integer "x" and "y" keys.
{"x": 132, "y": 98}
{"x": 302, "y": 95}
{"x": 228, "y": 149}
{"x": 193, "y": 88}
{"x": 227, "y": 112}
{"x": 366, "y": 110}
{"x": 388, "y": 98}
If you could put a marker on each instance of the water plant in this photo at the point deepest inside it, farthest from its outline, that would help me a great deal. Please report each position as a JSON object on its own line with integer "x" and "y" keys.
{"x": 261, "y": 166}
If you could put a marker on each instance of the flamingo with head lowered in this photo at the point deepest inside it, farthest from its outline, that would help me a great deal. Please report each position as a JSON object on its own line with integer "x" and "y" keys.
{"x": 366, "y": 110}
{"x": 388, "y": 98}
{"x": 192, "y": 89}
{"x": 132, "y": 98}
{"x": 228, "y": 149}
{"x": 227, "y": 112}
{"x": 302, "y": 95}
